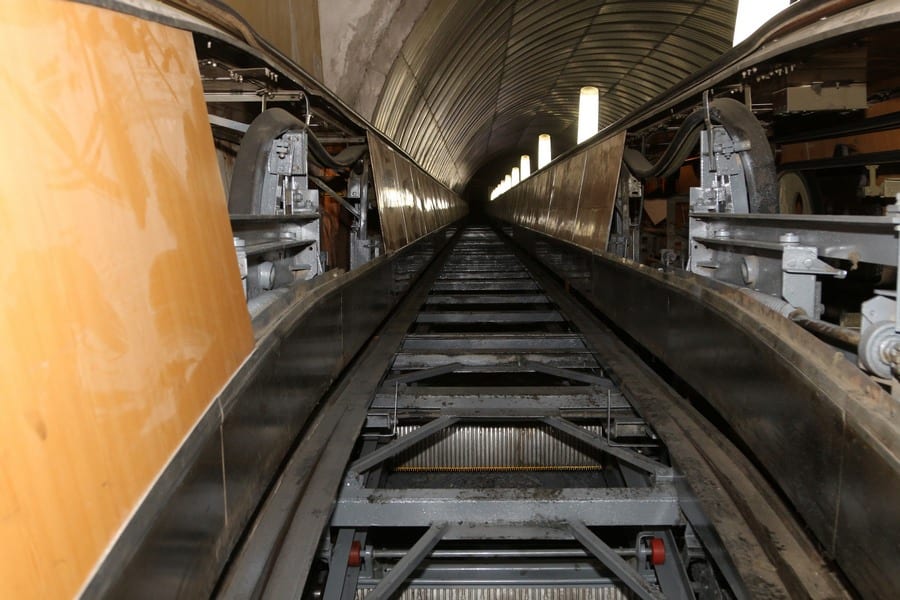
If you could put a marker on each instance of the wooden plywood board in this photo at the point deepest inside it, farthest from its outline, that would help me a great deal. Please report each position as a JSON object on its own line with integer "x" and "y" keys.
{"x": 122, "y": 314}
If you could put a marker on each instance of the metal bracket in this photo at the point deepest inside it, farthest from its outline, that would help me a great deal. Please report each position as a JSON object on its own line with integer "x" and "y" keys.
{"x": 801, "y": 266}
{"x": 722, "y": 186}
{"x": 285, "y": 184}
{"x": 670, "y": 570}
{"x": 343, "y": 202}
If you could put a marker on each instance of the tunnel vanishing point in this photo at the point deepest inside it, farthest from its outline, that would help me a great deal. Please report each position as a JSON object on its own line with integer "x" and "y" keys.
{"x": 451, "y": 300}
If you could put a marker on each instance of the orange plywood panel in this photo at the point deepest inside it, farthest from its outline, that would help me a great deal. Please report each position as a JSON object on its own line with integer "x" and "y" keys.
{"x": 122, "y": 313}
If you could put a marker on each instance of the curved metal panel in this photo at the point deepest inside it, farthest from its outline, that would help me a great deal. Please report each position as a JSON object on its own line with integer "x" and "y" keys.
{"x": 411, "y": 204}
{"x": 476, "y": 79}
{"x": 598, "y": 194}
{"x": 566, "y": 192}
{"x": 571, "y": 199}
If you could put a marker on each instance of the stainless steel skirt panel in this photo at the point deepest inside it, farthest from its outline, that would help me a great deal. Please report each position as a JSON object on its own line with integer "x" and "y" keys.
{"x": 824, "y": 431}
{"x": 181, "y": 536}
{"x": 411, "y": 204}
{"x": 570, "y": 199}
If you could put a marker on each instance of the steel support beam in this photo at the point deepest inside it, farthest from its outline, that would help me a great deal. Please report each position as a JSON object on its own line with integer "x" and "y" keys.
{"x": 404, "y": 568}
{"x": 671, "y": 575}
{"x": 478, "y": 342}
{"x": 614, "y": 562}
{"x": 623, "y": 454}
{"x": 472, "y": 316}
{"x": 399, "y": 445}
{"x": 648, "y": 507}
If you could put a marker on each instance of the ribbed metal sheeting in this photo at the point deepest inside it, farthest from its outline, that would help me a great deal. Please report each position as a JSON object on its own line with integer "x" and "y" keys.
{"x": 498, "y": 447}
{"x": 482, "y": 78}
{"x": 509, "y": 593}
{"x": 411, "y": 203}
{"x": 571, "y": 200}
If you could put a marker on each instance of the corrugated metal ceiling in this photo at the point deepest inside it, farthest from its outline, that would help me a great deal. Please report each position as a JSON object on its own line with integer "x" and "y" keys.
{"x": 477, "y": 79}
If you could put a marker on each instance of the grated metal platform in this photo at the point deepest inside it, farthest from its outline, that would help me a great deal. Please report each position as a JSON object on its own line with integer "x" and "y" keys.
{"x": 496, "y": 440}
{"x": 499, "y": 460}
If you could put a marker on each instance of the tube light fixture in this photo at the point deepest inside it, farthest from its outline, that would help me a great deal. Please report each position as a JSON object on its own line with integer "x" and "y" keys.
{"x": 524, "y": 166}
{"x": 752, "y": 14}
{"x": 515, "y": 175}
{"x": 588, "y": 112}
{"x": 543, "y": 150}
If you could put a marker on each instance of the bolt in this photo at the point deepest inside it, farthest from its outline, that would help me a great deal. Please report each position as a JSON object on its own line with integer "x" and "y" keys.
{"x": 789, "y": 238}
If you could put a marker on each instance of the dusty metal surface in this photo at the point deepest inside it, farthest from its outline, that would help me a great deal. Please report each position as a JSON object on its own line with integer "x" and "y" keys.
{"x": 473, "y": 433}
{"x": 825, "y": 432}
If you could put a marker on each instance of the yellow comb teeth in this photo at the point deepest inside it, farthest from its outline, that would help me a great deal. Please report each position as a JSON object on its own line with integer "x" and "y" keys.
{"x": 498, "y": 468}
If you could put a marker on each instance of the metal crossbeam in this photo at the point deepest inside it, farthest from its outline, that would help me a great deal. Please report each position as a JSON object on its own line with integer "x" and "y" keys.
{"x": 419, "y": 360}
{"x": 530, "y": 366}
{"x": 542, "y": 401}
{"x": 623, "y": 454}
{"x": 494, "y": 343}
{"x": 488, "y": 299}
{"x": 647, "y": 507}
{"x": 512, "y": 285}
{"x": 483, "y": 275}
{"x": 614, "y": 562}
{"x": 484, "y": 266}
{"x": 404, "y": 568}
{"x": 399, "y": 445}
{"x": 483, "y": 316}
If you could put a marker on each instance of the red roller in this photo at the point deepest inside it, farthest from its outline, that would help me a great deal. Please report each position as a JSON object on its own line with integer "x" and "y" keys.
{"x": 355, "y": 558}
{"x": 657, "y": 551}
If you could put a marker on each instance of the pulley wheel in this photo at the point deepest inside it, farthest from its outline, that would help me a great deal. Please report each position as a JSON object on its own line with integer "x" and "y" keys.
{"x": 794, "y": 195}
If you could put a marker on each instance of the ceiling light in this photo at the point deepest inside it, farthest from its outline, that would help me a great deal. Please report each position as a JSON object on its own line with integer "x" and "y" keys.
{"x": 588, "y": 112}
{"x": 752, "y": 14}
{"x": 524, "y": 166}
{"x": 543, "y": 150}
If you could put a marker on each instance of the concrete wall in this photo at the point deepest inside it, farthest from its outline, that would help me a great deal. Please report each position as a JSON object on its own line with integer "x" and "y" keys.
{"x": 290, "y": 25}
{"x": 360, "y": 41}
{"x": 349, "y": 45}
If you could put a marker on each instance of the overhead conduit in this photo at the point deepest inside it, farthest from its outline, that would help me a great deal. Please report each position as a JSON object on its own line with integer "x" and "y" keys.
{"x": 742, "y": 126}
{"x": 250, "y": 163}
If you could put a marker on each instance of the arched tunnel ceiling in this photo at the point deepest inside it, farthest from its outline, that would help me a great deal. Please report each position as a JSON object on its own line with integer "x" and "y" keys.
{"x": 478, "y": 79}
